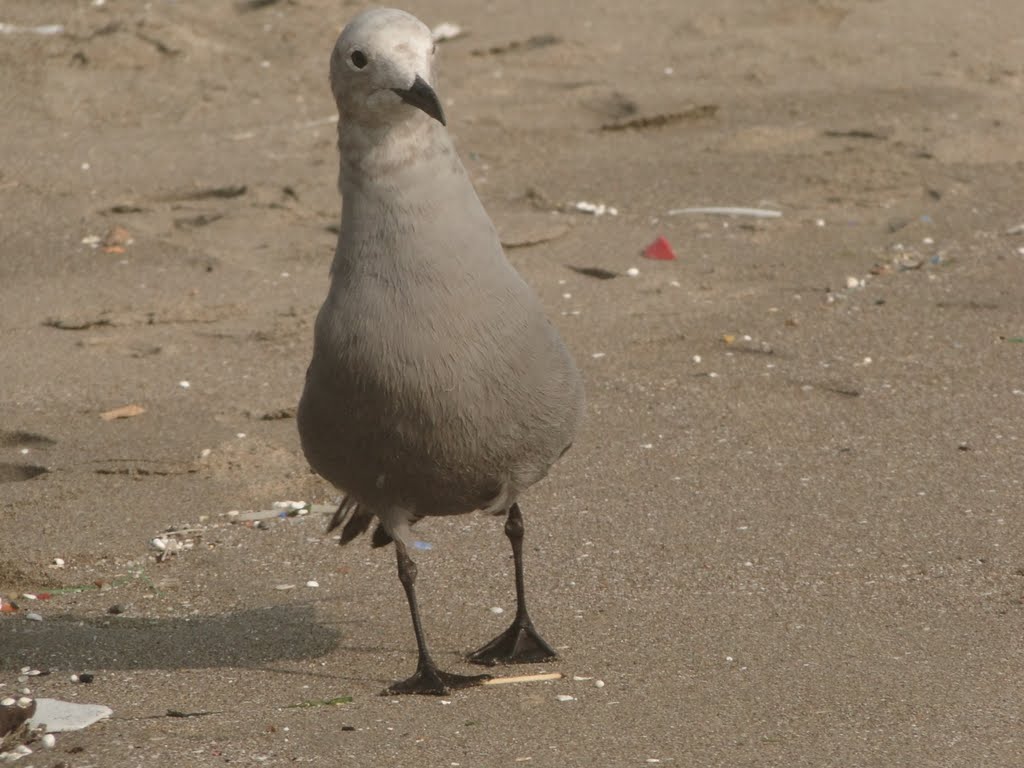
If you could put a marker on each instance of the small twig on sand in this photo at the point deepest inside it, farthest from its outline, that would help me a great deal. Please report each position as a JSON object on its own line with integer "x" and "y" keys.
{"x": 542, "y": 677}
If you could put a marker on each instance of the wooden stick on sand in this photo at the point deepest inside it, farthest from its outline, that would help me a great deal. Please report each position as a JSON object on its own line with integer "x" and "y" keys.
{"x": 524, "y": 678}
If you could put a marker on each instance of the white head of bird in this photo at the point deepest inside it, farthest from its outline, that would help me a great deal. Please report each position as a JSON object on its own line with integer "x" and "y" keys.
{"x": 382, "y": 69}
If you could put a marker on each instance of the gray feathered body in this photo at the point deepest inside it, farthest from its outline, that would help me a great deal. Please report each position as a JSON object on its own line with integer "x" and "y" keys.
{"x": 437, "y": 384}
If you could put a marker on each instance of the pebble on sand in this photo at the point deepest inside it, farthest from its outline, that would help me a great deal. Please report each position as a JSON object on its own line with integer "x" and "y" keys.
{"x": 659, "y": 250}
{"x": 446, "y": 30}
{"x": 595, "y": 209}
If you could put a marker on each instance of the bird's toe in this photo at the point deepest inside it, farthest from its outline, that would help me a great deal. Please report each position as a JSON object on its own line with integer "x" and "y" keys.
{"x": 519, "y": 644}
{"x": 431, "y": 681}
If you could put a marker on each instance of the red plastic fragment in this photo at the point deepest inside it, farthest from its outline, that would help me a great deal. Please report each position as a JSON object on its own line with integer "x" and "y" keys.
{"x": 660, "y": 250}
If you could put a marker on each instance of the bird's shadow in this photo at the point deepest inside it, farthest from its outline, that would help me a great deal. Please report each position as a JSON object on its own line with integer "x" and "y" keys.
{"x": 247, "y": 639}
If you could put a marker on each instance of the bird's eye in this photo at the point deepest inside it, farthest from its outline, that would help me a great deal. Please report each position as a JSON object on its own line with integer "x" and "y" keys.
{"x": 433, "y": 49}
{"x": 359, "y": 59}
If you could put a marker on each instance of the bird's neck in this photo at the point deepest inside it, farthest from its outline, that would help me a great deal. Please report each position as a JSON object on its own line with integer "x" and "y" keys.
{"x": 388, "y": 178}
{"x": 384, "y": 151}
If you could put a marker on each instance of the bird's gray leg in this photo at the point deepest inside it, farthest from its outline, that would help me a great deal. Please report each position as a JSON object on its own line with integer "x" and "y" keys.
{"x": 520, "y": 643}
{"x": 428, "y": 678}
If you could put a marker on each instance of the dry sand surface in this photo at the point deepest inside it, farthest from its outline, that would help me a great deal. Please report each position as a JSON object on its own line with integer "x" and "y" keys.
{"x": 790, "y": 533}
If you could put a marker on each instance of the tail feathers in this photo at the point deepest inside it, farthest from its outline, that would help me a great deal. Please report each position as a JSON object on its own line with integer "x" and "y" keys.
{"x": 355, "y": 520}
{"x": 358, "y": 524}
{"x": 381, "y": 538}
{"x": 345, "y": 509}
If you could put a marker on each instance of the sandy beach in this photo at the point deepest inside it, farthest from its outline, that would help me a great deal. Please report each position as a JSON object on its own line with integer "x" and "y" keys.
{"x": 790, "y": 532}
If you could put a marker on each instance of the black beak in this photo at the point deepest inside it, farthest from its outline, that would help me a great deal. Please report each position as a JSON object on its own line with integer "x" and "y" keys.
{"x": 422, "y": 96}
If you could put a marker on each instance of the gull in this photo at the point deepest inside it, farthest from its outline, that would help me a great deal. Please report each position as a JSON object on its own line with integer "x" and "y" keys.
{"x": 437, "y": 385}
